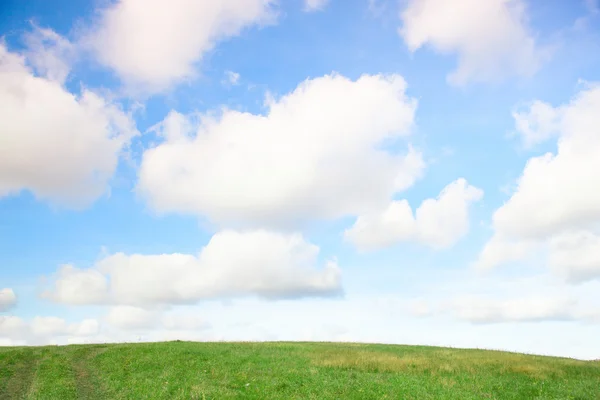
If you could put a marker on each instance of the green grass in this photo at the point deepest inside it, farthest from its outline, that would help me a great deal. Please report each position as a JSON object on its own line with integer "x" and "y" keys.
{"x": 182, "y": 370}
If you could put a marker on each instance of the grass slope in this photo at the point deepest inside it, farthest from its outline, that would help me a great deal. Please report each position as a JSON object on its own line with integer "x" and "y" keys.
{"x": 182, "y": 370}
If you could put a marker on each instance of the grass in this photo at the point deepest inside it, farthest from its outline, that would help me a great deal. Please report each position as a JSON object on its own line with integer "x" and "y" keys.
{"x": 183, "y": 370}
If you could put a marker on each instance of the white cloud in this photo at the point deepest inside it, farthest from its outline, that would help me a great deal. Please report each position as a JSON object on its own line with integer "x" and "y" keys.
{"x": 507, "y": 299}
{"x": 232, "y": 78}
{"x": 12, "y": 327}
{"x": 87, "y": 327}
{"x": 394, "y": 224}
{"x": 154, "y": 44}
{"x": 59, "y": 146}
{"x": 12, "y": 342}
{"x": 593, "y": 6}
{"x": 490, "y": 38}
{"x": 438, "y": 223}
{"x": 418, "y": 308}
{"x": 260, "y": 263}
{"x": 378, "y": 7}
{"x": 537, "y": 124}
{"x": 80, "y": 286}
{"x": 130, "y": 318}
{"x": 8, "y": 299}
{"x": 528, "y": 309}
{"x": 44, "y": 330}
{"x": 48, "y": 326}
{"x": 443, "y": 221}
{"x": 175, "y": 321}
{"x": 575, "y": 255}
{"x": 50, "y": 54}
{"x": 315, "y": 5}
{"x": 558, "y": 191}
{"x": 556, "y": 205}
{"x": 317, "y": 153}
{"x": 501, "y": 250}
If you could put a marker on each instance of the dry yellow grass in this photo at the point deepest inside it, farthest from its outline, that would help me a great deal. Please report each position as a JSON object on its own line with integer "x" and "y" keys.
{"x": 442, "y": 362}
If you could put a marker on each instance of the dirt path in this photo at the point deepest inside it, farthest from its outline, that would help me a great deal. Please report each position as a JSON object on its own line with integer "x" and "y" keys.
{"x": 89, "y": 386}
{"x": 21, "y": 381}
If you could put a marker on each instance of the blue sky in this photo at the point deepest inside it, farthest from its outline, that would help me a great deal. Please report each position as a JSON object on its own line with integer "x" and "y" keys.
{"x": 416, "y": 171}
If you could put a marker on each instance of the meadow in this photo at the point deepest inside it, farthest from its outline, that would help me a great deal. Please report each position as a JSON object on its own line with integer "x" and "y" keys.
{"x": 283, "y": 370}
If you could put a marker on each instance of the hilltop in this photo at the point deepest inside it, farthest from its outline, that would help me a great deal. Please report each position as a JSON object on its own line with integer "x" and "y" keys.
{"x": 282, "y": 370}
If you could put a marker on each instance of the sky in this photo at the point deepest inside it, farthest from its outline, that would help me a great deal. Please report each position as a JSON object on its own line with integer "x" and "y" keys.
{"x": 412, "y": 172}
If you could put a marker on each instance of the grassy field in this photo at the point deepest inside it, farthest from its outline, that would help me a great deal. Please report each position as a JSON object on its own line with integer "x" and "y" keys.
{"x": 182, "y": 370}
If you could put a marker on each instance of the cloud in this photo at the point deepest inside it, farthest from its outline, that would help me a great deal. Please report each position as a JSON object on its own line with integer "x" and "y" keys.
{"x": 130, "y": 318}
{"x": 537, "y": 123}
{"x": 502, "y": 298}
{"x": 378, "y": 7}
{"x": 8, "y": 299}
{"x": 593, "y": 6}
{"x": 490, "y": 38}
{"x": 556, "y": 205}
{"x": 153, "y": 45}
{"x": 59, "y": 146}
{"x": 44, "y": 330}
{"x": 575, "y": 255}
{"x": 80, "y": 286}
{"x": 261, "y": 263}
{"x": 12, "y": 327}
{"x": 314, "y": 5}
{"x": 438, "y": 223}
{"x": 50, "y": 54}
{"x": 557, "y": 191}
{"x": 529, "y": 309}
{"x": 501, "y": 250}
{"x": 232, "y": 78}
{"x": 316, "y": 154}
{"x": 176, "y": 321}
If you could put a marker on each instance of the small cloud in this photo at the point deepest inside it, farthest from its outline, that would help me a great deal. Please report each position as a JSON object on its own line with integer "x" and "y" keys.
{"x": 50, "y": 54}
{"x": 420, "y": 308}
{"x": 8, "y": 299}
{"x": 528, "y": 309}
{"x": 377, "y": 7}
{"x": 448, "y": 151}
{"x": 439, "y": 223}
{"x": 269, "y": 99}
{"x": 593, "y": 6}
{"x": 231, "y": 78}
{"x": 315, "y": 5}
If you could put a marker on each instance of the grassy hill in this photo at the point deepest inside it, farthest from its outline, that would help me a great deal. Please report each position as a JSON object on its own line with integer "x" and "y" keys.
{"x": 182, "y": 370}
